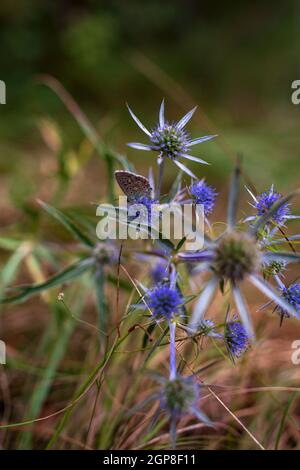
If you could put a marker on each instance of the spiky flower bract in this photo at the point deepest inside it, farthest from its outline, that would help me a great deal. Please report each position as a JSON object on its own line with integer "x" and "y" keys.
{"x": 292, "y": 295}
{"x": 179, "y": 395}
{"x": 170, "y": 140}
{"x": 274, "y": 268}
{"x": 208, "y": 328}
{"x": 204, "y": 194}
{"x": 236, "y": 338}
{"x": 159, "y": 272}
{"x": 164, "y": 301}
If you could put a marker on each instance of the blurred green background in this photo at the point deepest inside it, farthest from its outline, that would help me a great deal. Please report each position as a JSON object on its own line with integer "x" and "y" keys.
{"x": 236, "y": 60}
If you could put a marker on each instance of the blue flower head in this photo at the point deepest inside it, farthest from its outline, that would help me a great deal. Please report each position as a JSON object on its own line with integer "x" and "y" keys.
{"x": 205, "y": 195}
{"x": 170, "y": 140}
{"x": 292, "y": 295}
{"x": 164, "y": 301}
{"x": 236, "y": 338}
{"x": 265, "y": 201}
{"x": 147, "y": 202}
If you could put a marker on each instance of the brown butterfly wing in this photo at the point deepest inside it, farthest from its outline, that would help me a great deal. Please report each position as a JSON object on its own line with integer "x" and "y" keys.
{"x": 133, "y": 186}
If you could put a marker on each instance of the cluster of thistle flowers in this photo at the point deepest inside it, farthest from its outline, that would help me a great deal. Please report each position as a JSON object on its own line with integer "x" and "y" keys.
{"x": 246, "y": 251}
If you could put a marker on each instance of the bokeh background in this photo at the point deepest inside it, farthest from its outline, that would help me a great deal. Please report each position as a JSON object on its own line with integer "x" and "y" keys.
{"x": 236, "y": 61}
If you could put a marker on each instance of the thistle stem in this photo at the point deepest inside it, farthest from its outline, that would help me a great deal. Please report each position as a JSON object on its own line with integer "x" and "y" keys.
{"x": 173, "y": 368}
{"x": 161, "y": 167}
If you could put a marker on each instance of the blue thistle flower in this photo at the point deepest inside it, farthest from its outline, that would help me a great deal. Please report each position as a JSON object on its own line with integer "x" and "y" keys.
{"x": 164, "y": 301}
{"x": 264, "y": 202}
{"x": 292, "y": 295}
{"x": 170, "y": 140}
{"x": 204, "y": 194}
{"x": 236, "y": 338}
{"x": 147, "y": 202}
{"x": 235, "y": 256}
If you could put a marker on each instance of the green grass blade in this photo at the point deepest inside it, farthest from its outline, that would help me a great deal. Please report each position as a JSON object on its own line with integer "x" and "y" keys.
{"x": 10, "y": 269}
{"x": 64, "y": 276}
{"x": 283, "y": 419}
{"x": 101, "y": 303}
{"x": 8, "y": 243}
{"x": 87, "y": 128}
{"x": 56, "y": 354}
{"x": 91, "y": 378}
{"x": 122, "y": 283}
{"x": 67, "y": 223}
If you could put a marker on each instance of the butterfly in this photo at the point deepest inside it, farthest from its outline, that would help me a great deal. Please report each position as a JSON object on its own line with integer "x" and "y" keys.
{"x": 133, "y": 186}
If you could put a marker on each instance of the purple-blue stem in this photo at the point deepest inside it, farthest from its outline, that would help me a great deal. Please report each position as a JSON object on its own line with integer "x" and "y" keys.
{"x": 173, "y": 368}
{"x": 161, "y": 166}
